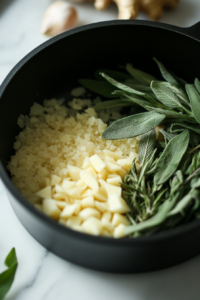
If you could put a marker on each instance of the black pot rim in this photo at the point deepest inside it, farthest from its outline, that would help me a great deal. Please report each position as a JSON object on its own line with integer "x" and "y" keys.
{"x": 156, "y": 238}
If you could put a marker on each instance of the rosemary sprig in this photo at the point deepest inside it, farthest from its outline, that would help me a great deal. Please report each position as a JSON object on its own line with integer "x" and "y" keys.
{"x": 156, "y": 207}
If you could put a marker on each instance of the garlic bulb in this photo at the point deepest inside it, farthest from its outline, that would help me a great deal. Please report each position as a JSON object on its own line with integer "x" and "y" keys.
{"x": 59, "y": 17}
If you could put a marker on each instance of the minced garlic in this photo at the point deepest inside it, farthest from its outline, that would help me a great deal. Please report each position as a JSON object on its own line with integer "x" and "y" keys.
{"x": 64, "y": 167}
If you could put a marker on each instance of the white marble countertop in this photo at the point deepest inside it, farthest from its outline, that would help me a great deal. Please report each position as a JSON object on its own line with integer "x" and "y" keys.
{"x": 42, "y": 275}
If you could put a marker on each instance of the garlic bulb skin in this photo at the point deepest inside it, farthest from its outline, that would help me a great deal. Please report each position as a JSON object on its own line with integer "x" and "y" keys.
{"x": 59, "y": 17}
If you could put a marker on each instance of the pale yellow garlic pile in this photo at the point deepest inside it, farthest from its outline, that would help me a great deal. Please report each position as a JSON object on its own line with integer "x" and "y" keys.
{"x": 65, "y": 168}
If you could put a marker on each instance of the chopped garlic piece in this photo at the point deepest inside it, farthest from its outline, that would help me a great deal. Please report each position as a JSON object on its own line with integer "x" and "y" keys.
{"x": 116, "y": 180}
{"x": 119, "y": 231}
{"x": 110, "y": 189}
{"x": 88, "y": 202}
{"x": 107, "y": 215}
{"x": 117, "y": 204}
{"x": 50, "y": 208}
{"x": 74, "y": 172}
{"x": 61, "y": 204}
{"x": 103, "y": 174}
{"x": 55, "y": 179}
{"x": 89, "y": 180}
{"x": 45, "y": 193}
{"x": 92, "y": 171}
{"x": 73, "y": 221}
{"x": 119, "y": 219}
{"x": 89, "y": 212}
{"x": 125, "y": 163}
{"x": 92, "y": 226}
{"x": 97, "y": 163}
{"x": 112, "y": 154}
{"x": 101, "y": 206}
{"x": 69, "y": 210}
{"x": 101, "y": 194}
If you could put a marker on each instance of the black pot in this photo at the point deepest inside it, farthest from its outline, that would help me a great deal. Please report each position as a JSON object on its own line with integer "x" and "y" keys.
{"x": 51, "y": 70}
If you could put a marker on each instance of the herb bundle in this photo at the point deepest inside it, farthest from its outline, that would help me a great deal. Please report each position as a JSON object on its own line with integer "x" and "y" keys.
{"x": 165, "y": 192}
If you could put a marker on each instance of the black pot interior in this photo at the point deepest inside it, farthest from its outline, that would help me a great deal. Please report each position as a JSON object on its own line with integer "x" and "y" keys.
{"x": 55, "y": 69}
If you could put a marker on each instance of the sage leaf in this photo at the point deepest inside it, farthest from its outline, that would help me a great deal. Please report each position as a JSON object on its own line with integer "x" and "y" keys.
{"x": 170, "y": 113}
{"x": 194, "y": 138}
{"x": 157, "y": 219}
{"x": 171, "y": 157}
{"x": 168, "y": 136}
{"x": 132, "y": 126}
{"x": 181, "y": 126}
{"x": 114, "y": 74}
{"x": 165, "y": 73}
{"x": 197, "y": 84}
{"x": 100, "y": 87}
{"x": 179, "y": 93}
{"x": 165, "y": 95}
{"x": 146, "y": 146}
{"x": 194, "y": 100}
{"x": 112, "y": 103}
{"x": 139, "y": 76}
{"x": 7, "y": 277}
{"x": 139, "y": 87}
{"x": 180, "y": 81}
{"x": 181, "y": 205}
{"x": 128, "y": 89}
{"x": 133, "y": 98}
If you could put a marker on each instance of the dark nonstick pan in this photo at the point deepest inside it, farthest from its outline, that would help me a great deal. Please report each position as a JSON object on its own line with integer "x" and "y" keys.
{"x": 51, "y": 70}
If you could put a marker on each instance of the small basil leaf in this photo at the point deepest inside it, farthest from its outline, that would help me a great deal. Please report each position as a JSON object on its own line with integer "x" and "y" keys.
{"x": 132, "y": 126}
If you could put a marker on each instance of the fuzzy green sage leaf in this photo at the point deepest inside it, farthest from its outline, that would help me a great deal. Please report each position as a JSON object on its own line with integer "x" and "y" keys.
{"x": 194, "y": 100}
{"x": 171, "y": 157}
{"x": 146, "y": 146}
{"x": 113, "y": 103}
{"x": 165, "y": 73}
{"x": 133, "y": 125}
{"x": 7, "y": 277}
{"x": 140, "y": 76}
{"x": 177, "y": 127}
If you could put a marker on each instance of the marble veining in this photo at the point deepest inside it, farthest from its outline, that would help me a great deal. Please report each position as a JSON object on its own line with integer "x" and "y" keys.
{"x": 41, "y": 275}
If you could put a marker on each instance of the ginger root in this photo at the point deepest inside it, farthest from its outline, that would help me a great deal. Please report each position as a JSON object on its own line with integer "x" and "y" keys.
{"x": 129, "y": 9}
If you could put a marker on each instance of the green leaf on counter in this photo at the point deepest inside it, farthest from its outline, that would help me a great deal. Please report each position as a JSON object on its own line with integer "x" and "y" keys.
{"x": 7, "y": 277}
